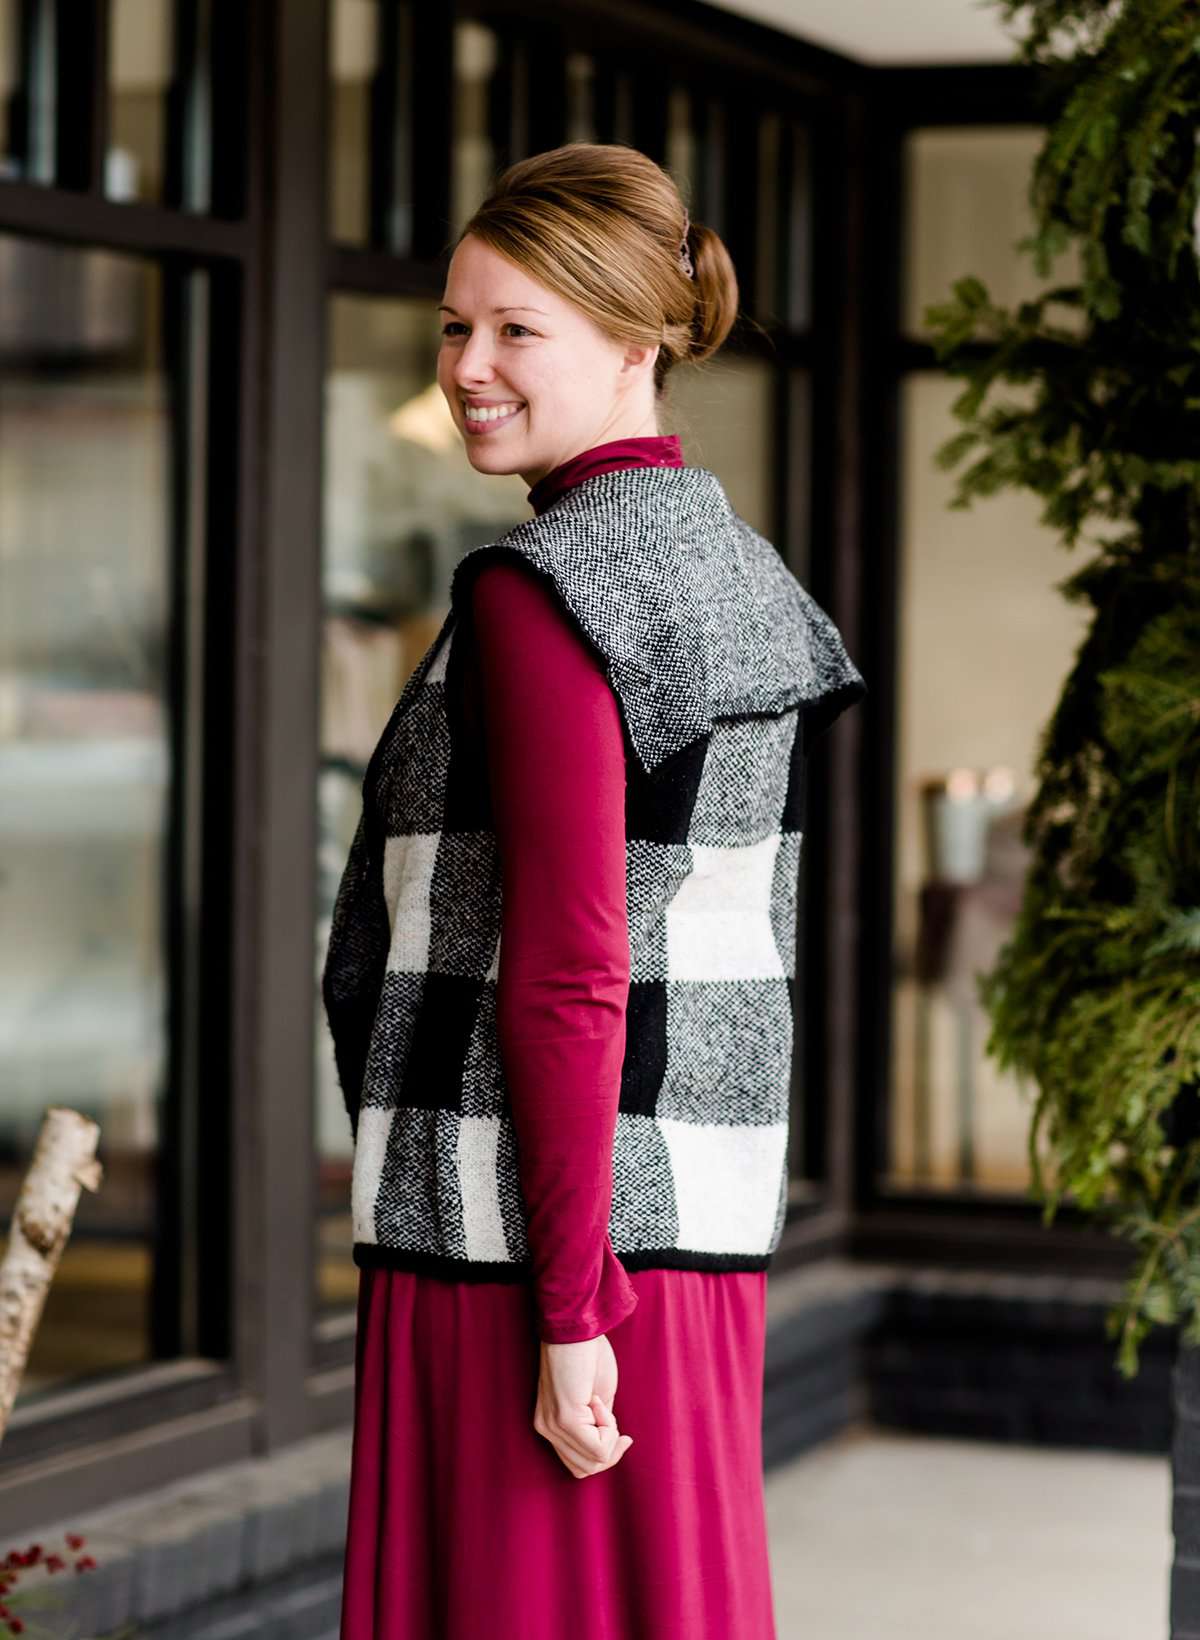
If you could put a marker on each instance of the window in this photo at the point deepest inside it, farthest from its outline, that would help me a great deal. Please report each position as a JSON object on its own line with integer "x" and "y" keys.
{"x": 101, "y": 430}
{"x": 984, "y": 642}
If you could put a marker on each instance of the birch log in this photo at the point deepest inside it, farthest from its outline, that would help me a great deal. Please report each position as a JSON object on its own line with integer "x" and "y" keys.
{"x": 64, "y": 1162}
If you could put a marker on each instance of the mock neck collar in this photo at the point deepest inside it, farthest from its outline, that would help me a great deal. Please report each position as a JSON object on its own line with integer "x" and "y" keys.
{"x": 645, "y": 450}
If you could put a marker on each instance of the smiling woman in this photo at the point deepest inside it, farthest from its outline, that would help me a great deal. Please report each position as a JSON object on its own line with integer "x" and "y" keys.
{"x": 561, "y": 967}
{"x": 569, "y": 296}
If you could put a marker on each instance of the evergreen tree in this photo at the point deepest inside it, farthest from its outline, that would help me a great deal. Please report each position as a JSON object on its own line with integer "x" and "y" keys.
{"x": 1096, "y": 997}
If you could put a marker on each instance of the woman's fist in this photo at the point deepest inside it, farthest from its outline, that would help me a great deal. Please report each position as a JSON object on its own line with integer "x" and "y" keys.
{"x": 577, "y": 1385}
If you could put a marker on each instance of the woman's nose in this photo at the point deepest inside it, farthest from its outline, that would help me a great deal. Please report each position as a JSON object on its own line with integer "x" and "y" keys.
{"x": 474, "y": 360}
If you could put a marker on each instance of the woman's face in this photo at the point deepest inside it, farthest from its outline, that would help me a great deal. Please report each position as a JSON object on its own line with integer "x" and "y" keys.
{"x": 573, "y": 386}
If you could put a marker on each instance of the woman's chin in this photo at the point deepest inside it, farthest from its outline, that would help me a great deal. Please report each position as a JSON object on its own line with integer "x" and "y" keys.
{"x": 496, "y": 455}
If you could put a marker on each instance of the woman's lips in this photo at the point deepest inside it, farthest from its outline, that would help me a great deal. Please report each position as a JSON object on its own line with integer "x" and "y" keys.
{"x": 477, "y": 427}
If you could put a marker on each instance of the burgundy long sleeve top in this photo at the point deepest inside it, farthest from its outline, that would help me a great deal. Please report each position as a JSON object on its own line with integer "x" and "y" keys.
{"x": 538, "y": 692}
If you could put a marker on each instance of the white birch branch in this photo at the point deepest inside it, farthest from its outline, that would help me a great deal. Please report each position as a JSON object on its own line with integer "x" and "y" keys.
{"x": 64, "y": 1162}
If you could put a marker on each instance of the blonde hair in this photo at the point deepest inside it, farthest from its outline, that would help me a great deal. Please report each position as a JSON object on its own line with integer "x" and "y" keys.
{"x": 601, "y": 225}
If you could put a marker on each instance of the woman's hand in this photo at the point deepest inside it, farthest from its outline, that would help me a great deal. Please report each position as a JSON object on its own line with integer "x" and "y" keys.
{"x": 577, "y": 1384}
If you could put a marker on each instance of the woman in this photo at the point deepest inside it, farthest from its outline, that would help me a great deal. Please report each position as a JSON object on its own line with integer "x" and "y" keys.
{"x": 560, "y": 972}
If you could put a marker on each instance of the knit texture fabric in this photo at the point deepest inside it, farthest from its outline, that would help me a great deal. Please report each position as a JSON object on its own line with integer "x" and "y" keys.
{"x": 724, "y": 668}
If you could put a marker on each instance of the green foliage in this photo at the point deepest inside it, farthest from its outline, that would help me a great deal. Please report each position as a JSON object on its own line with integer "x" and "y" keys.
{"x": 1096, "y": 996}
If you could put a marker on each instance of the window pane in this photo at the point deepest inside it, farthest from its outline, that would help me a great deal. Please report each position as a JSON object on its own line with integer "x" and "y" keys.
{"x": 160, "y": 103}
{"x": 402, "y": 505}
{"x": 977, "y": 590}
{"x": 353, "y": 61}
{"x": 476, "y": 57}
{"x": 722, "y": 412}
{"x": 581, "y": 97}
{"x": 371, "y": 124}
{"x": 88, "y": 761}
{"x": 15, "y": 110}
{"x": 681, "y": 142}
{"x": 967, "y": 190}
{"x": 783, "y": 284}
{"x": 27, "y": 109}
{"x": 141, "y": 56}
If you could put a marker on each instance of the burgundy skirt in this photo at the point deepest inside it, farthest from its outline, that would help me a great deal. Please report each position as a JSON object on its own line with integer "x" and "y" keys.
{"x": 464, "y": 1524}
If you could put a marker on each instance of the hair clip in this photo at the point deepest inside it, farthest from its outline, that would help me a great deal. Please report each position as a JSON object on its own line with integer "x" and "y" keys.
{"x": 685, "y": 259}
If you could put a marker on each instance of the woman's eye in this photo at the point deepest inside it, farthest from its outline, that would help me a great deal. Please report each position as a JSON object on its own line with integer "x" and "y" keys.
{"x": 512, "y": 324}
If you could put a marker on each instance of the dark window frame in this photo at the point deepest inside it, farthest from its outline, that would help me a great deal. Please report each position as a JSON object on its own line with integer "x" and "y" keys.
{"x": 956, "y": 1227}
{"x": 207, "y": 1408}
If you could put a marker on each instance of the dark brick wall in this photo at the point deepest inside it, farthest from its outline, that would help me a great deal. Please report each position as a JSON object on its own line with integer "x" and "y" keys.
{"x": 813, "y": 1383}
{"x": 305, "y": 1605}
{"x": 1013, "y": 1358}
{"x": 1185, "y": 1470}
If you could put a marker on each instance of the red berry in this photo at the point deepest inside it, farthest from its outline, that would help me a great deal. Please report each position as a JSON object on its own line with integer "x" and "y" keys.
{"x": 75, "y": 1541}
{"x": 15, "y": 1625}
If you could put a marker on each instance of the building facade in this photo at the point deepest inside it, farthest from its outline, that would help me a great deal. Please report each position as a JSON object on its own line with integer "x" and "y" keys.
{"x": 223, "y": 230}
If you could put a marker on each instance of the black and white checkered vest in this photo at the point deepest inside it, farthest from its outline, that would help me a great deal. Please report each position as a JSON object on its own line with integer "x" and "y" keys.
{"x": 724, "y": 668}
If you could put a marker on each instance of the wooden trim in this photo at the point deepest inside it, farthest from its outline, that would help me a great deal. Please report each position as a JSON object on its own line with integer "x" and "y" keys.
{"x": 278, "y": 723}
{"x": 834, "y": 764}
{"x": 152, "y": 1434}
{"x": 809, "y": 1237}
{"x": 330, "y": 1396}
{"x": 972, "y": 94}
{"x": 883, "y": 172}
{"x": 432, "y": 136}
{"x": 93, "y": 223}
{"x": 119, "y": 1403}
{"x": 360, "y": 271}
{"x": 958, "y": 1233}
{"x": 691, "y": 36}
{"x": 82, "y": 90}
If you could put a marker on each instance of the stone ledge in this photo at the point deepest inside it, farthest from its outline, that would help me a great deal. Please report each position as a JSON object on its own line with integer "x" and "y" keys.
{"x": 228, "y": 1530}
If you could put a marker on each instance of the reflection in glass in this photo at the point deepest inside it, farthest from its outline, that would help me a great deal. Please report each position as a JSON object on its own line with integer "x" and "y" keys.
{"x": 29, "y": 103}
{"x": 581, "y": 97}
{"x": 86, "y": 763}
{"x": 26, "y": 122}
{"x": 709, "y": 164}
{"x": 402, "y": 505}
{"x": 984, "y": 643}
{"x": 353, "y": 62}
{"x": 371, "y": 124}
{"x": 141, "y": 58}
{"x": 476, "y": 55}
{"x": 681, "y": 142}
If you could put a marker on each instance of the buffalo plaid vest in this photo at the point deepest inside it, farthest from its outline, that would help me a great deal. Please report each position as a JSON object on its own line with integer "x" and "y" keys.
{"x": 724, "y": 668}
